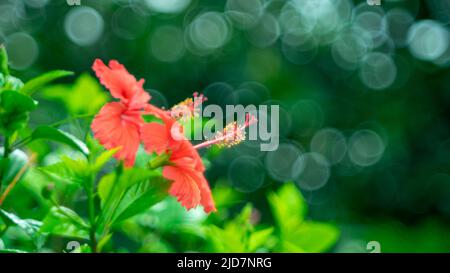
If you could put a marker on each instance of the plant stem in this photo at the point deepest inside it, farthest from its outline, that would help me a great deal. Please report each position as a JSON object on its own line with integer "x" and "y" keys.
{"x": 7, "y": 149}
{"x": 159, "y": 161}
{"x": 16, "y": 179}
{"x": 92, "y": 220}
{"x": 70, "y": 119}
{"x": 21, "y": 142}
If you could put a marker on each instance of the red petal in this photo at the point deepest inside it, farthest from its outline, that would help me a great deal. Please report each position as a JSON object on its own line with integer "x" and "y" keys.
{"x": 113, "y": 127}
{"x": 121, "y": 84}
{"x": 184, "y": 188}
{"x": 154, "y": 137}
{"x": 190, "y": 187}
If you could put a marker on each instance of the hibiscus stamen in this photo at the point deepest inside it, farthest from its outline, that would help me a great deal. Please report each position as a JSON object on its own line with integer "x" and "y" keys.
{"x": 189, "y": 108}
{"x": 231, "y": 135}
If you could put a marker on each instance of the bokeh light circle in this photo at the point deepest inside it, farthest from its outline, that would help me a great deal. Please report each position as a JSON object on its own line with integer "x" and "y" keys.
{"x": 365, "y": 148}
{"x": 217, "y": 93}
{"x": 83, "y": 25}
{"x": 244, "y": 14}
{"x": 23, "y": 50}
{"x": 167, "y": 44}
{"x": 283, "y": 164}
{"x": 307, "y": 117}
{"x": 316, "y": 171}
{"x": 349, "y": 50}
{"x": 265, "y": 32}
{"x": 378, "y": 71}
{"x": 125, "y": 17}
{"x": 246, "y": 173}
{"x": 158, "y": 99}
{"x": 397, "y": 22}
{"x": 371, "y": 23}
{"x": 36, "y": 3}
{"x": 208, "y": 32}
{"x": 428, "y": 40}
{"x": 167, "y": 6}
{"x": 330, "y": 143}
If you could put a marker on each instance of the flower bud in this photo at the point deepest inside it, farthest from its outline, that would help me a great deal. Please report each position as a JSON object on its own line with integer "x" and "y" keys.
{"x": 48, "y": 190}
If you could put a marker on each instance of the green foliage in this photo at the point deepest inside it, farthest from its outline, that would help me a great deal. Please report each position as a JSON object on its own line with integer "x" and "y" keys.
{"x": 51, "y": 133}
{"x": 11, "y": 165}
{"x": 29, "y": 226}
{"x": 65, "y": 222}
{"x": 11, "y": 83}
{"x": 39, "y": 82}
{"x": 128, "y": 193}
{"x": 295, "y": 233}
{"x": 3, "y": 60}
{"x": 84, "y": 97}
{"x": 14, "y": 111}
{"x": 2, "y": 80}
{"x": 68, "y": 170}
{"x": 239, "y": 235}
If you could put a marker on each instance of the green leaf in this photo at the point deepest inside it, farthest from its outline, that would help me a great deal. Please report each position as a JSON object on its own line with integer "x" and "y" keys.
{"x": 239, "y": 234}
{"x": 34, "y": 84}
{"x": 65, "y": 222}
{"x": 316, "y": 237}
{"x": 74, "y": 96}
{"x": 15, "y": 102}
{"x": 3, "y": 60}
{"x": 29, "y": 226}
{"x": 2, "y": 81}
{"x": 105, "y": 187}
{"x": 259, "y": 238}
{"x": 12, "y": 83}
{"x": 141, "y": 197}
{"x": 68, "y": 170}
{"x": 14, "y": 111}
{"x": 103, "y": 241}
{"x": 103, "y": 158}
{"x": 12, "y": 251}
{"x": 50, "y": 133}
{"x": 133, "y": 192}
{"x": 288, "y": 207}
{"x": 296, "y": 234}
{"x": 10, "y": 166}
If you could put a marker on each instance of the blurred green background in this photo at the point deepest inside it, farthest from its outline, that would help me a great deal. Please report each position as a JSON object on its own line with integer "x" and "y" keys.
{"x": 363, "y": 93}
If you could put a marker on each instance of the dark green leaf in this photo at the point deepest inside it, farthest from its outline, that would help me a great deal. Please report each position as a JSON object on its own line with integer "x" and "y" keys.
{"x": 14, "y": 111}
{"x": 68, "y": 170}
{"x": 15, "y": 102}
{"x": 65, "y": 222}
{"x": 141, "y": 197}
{"x": 29, "y": 226}
{"x": 33, "y": 85}
{"x": 134, "y": 191}
{"x": 50, "y": 133}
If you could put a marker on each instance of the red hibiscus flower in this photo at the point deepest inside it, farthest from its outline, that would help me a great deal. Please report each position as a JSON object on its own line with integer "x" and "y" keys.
{"x": 185, "y": 166}
{"x": 118, "y": 123}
